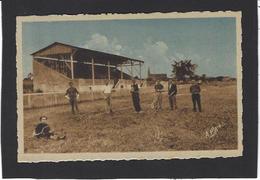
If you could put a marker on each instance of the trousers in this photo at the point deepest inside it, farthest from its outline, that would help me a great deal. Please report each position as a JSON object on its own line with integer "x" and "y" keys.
{"x": 172, "y": 101}
{"x": 108, "y": 103}
{"x": 157, "y": 103}
{"x": 74, "y": 104}
{"x": 136, "y": 101}
{"x": 196, "y": 102}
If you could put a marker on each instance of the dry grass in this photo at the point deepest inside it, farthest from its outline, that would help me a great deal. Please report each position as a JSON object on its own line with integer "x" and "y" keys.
{"x": 94, "y": 131}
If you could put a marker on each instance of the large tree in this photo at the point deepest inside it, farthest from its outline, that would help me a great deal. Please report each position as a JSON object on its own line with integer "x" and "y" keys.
{"x": 183, "y": 69}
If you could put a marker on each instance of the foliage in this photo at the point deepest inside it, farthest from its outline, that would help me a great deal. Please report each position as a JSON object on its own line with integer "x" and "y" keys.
{"x": 183, "y": 69}
{"x": 38, "y": 91}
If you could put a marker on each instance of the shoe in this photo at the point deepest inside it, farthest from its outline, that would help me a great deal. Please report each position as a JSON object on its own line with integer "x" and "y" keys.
{"x": 61, "y": 137}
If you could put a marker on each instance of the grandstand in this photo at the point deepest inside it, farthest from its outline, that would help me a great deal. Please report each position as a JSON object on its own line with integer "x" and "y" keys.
{"x": 57, "y": 64}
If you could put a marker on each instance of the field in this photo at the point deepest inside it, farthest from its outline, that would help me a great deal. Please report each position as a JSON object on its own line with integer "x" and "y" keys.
{"x": 92, "y": 130}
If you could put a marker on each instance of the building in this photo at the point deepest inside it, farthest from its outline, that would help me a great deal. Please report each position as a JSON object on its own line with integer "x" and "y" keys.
{"x": 57, "y": 64}
{"x": 154, "y": 77}
{"x": 27, "y": 85}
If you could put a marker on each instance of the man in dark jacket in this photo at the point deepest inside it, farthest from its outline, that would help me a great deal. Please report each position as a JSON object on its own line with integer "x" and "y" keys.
{"x": 72, "y": 94}
{"x": 135, "y": 96}
{"x": 195, "y": 95}
{"x": 172, "y": 91}
{"x": 43, "y": 130}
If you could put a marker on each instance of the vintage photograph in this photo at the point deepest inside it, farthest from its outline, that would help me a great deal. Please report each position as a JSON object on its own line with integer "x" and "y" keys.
{"x": 129, "y": 86}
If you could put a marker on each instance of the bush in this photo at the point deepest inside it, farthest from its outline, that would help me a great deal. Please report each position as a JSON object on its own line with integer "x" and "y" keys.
{"x": 39, "y": 91}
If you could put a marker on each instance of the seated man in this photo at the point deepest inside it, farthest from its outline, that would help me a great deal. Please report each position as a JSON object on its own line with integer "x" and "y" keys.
{"x": 43, "y": 130}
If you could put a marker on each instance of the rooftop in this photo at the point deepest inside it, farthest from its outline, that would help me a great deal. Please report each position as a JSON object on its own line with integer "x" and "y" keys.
{"x": 83, "y": 55}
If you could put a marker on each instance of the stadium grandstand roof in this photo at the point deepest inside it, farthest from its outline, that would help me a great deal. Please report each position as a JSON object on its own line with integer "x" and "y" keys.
{"x": 84, "y": 55}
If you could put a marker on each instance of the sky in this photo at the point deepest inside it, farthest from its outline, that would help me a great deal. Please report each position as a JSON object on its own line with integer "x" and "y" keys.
{"x": 208, "y": 42}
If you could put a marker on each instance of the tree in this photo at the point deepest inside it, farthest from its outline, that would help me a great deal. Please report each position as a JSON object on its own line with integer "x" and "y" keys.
{"x": 183, "y": 69}
{"x": 203, "y": 77}
{"x": 29, "y": 77}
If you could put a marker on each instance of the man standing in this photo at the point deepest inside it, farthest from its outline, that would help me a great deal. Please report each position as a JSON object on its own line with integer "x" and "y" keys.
{"x": 135, "y": 96}
{"x": 72, "y": 94}
{"x": 172, "y": 91}
{"x": 195, "y": 94}
{"x": 107, "y": 96}
{"x": 158, "y": 96}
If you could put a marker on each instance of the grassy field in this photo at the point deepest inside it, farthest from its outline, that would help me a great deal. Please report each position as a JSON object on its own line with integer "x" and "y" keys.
{"x": 92, "y": 130}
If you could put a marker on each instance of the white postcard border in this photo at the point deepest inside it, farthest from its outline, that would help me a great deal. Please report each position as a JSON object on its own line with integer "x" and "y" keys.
{"x": 56, "y": 157}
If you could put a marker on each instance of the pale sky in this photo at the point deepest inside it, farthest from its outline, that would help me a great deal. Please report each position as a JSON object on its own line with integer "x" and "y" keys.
{"x": 208, "y": 42}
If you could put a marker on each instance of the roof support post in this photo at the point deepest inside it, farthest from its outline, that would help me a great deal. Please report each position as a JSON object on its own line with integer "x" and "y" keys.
{"x": 93, "y": 71}
{"x": 140, "y": 64}
{"x": 71, "y": 66}
{"x": 132, "y": 69}
{"x": 108, "y": 70}
{"x": 121, "y": 69}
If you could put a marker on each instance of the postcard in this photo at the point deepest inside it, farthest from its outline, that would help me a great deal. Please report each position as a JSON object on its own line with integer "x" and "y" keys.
{"x": 129, "y": 86}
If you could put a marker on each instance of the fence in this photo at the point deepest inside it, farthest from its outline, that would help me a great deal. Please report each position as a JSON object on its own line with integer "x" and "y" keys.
{"x": 37, "y": 100}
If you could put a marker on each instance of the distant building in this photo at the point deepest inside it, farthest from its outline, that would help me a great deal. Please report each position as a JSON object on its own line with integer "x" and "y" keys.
{"x": 154, "y": 77}
{"x": 27, "y": 85}
{"x": 220, "y": 78}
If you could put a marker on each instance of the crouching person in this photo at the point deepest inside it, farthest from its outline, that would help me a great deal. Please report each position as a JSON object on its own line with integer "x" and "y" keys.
{"x": 43, "y": 130}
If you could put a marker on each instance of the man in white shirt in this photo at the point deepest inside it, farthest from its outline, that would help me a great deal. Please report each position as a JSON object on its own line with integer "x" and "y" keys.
{"x": 107, "y": 96}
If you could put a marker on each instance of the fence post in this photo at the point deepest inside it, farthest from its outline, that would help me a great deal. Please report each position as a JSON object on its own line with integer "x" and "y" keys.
{"x": 29, "y": 101}
{"x": 92, "y": 94}
{"x": 55, "y": 99}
